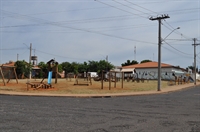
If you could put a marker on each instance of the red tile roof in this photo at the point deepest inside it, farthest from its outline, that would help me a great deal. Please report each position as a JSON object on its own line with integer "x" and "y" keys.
{"x": 9, "y": 64}
{"x": 147, "y": 65}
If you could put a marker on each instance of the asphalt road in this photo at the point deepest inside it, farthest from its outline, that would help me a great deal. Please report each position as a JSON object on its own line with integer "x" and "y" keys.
{"x": 172, "y": 112}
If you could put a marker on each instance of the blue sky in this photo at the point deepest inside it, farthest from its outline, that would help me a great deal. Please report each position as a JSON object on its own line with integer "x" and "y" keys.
{"x": 83, "y": 30}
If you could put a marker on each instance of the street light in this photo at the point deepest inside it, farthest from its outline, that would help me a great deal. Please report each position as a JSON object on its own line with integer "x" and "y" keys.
{"x": 170, "y": 33}
{"x": 160, "y": 40}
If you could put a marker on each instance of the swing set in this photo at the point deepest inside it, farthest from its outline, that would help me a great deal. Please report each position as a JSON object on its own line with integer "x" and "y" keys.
{"x": 8, "y": 72}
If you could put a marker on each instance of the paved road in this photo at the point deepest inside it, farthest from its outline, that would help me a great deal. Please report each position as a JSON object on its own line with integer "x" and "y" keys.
{"x": 172, "y": 112}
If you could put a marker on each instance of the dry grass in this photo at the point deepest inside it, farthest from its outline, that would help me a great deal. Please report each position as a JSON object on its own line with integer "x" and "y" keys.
{"x": 67, "y": 87}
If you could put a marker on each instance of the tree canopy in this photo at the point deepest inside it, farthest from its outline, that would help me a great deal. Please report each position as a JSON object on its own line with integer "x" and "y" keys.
{"x": 143, "y": 61}
{"x": 128, "y": 62}
{"x": 90, "y": 66}
{"x": 22, "y": 68}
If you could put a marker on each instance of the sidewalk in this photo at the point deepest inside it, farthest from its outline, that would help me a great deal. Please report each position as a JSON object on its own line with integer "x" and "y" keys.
{"x": 165, "y": 90}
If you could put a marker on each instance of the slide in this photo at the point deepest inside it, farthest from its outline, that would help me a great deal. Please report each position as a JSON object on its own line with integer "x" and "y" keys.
{"x": 49, "y": 77}
{"x": 191, "y": 79}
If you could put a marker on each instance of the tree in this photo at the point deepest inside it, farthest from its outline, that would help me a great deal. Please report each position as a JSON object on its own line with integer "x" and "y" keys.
{"x": 74, "y": 66}
{"x": 60, "y": 68}
{"x": 83, "y": 67}
{"x": 128, "y": 62}
{"x": 66, "y": 66}
{"x": 98, "y": 66}
{"x": 192, "y": 68}
{"x": 104, "y": 65}
{"x": 144, "y": 61}
{"x": 22, "y": 69}
{"x": 91, "y": 66}
{"x": 44, "y": 69}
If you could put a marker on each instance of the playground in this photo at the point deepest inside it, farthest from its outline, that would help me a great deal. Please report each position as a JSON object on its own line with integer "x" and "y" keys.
{"x": 81, "y": 83}
{"x": 69, "y": 86}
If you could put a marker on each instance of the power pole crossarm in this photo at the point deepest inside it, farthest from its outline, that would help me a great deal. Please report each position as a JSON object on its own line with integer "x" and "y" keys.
{"x": 160, "y": 17}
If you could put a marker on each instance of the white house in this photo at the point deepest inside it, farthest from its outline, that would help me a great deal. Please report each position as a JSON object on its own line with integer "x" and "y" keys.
{"x": 149, "y": 70}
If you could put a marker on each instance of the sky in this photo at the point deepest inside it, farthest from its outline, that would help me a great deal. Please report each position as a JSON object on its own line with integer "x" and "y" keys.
{"x": 93, "y": 30}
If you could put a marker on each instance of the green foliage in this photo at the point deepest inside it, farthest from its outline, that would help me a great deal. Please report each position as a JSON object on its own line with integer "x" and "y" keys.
{"x": 128, "y": 62}
{"x": 74, "y": 66}
{"x": 143, "y": 61}
{"x": 66, "y": 66}
{"x": 23, "y": 68}
{"x": 60, "y": 68}
{"x": 98, "y": 66}
{"x": 83, "y": 67}
{"x": 43, "y": 66}
{"x": 91, "y": 66}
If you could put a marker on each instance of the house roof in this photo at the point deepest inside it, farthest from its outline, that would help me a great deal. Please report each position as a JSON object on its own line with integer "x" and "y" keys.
{"x": 36, "y": 68}
{"x": 147, "y": 65}
{"x": 9, "y": 64}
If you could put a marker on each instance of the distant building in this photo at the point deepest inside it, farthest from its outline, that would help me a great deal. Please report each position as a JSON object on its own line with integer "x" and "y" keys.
{"x": 149, "y": 70}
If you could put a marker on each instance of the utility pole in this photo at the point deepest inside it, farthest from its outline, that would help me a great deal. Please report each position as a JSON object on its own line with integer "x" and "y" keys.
{"x": 159, "y": 45}
{"x": 195, "y": 59}
{"x": 30, "y": 59}
{"x": 135, "y": 53}
{"x": 107, "y": 63}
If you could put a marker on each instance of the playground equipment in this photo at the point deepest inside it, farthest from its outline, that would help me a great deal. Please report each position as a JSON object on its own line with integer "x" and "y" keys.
{"x": 178, "y": 78}
{"x": 80, "y": 79}
{"x": 8, "y": 72}
{"x": 110, "y": 78}
{"x": 37, "y": 85}
{"x": 69, "y": 76}
{"x": 52, "y": 69}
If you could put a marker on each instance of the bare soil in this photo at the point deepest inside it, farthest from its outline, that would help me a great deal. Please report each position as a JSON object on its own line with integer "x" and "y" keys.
{"x": 66, "y": 86}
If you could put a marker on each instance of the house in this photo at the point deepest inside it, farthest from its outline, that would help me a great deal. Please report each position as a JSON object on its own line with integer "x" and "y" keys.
{"x": 149, "y": 70}
{"x": 8, "y": 69}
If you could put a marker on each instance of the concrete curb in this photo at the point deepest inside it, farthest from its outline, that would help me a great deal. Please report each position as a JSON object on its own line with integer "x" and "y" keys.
{"x": 164, "y": 91}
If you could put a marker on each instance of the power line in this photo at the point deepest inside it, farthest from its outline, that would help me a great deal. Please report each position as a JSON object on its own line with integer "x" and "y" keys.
{"x": 80, "y": 29}
{"x": 140, "y": 6}
{"x": 120, "y": 9}
{"x": 176, "y": 31}
{"x": 82, "y": 20}
{"x": 130, "y": 7}
{"x": 17, "y": 48}
{"x": 172, "y": 11}
{"x": 60, "y": 55}
{"x": 128, "y": 27}
{"x": 188, "y": 56}
{"x": 176, "y": 49}
{"x": 189, "y": 39}
{"x": 156, "y": 13}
